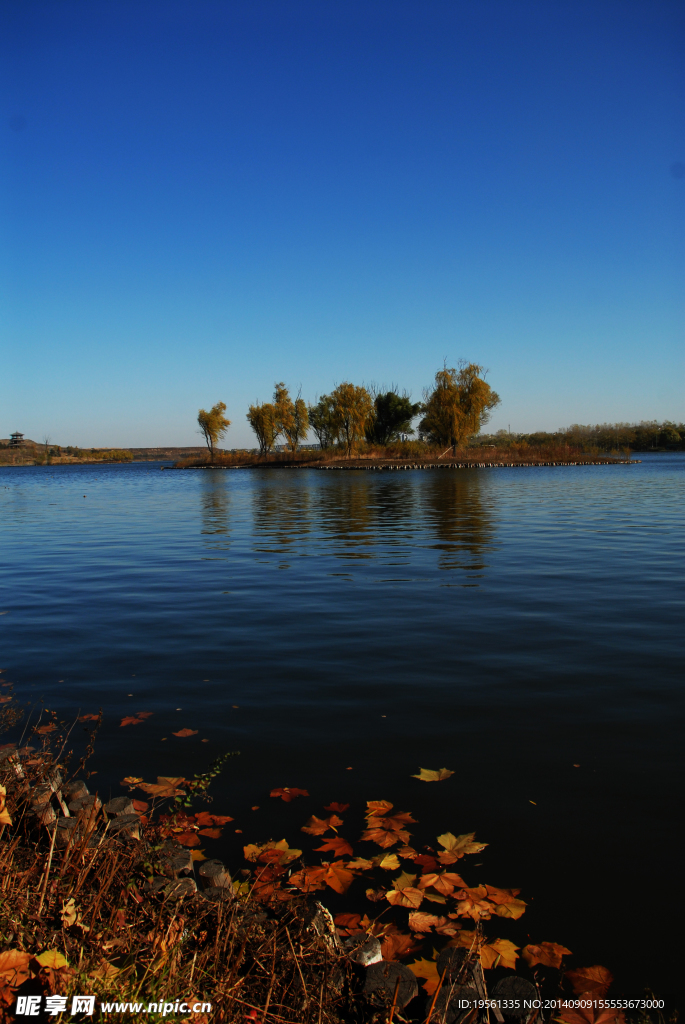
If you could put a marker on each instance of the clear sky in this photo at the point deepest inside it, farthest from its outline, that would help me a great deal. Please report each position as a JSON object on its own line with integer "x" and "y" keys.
{"x": 200, "y": 198}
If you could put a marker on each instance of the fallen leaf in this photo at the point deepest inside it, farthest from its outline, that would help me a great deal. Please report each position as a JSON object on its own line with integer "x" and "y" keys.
{"x": 107, "y": 972}
{"x": 68, "y": 913}
{"x": 140, "y": 806}
{"x": 207, "y": 820}
{"x": 590, "y": 1015}
{"x": 186, "y": 732}
{"x": 53, "y": 959}
{"x": 338, "y": 808}
{"x": 130, "y": 780}
{"x": 396, "y": 944}
{"x": 188, "y": 839}
{"x": 308, "y": 879}
{"x": 131, "y": 720}
{"x": 548, "y": 954}
{"x": 457, "y": 846}
{"x": 360, "y": 864}
{"x": 211, "y": 833}
{"x": 500, "y": 953}
{"x": 285, "y": 853}
{"x": 390, "y": 862}
{"x": 288, "y": 794}
{"x": 421, "y": 922}
{"x": 14, "y": 967}
{"x": 317, "y": 826}
{"x": 409, "y": 897}
{"x": 383, "y": 838}
{"x": 426, "y": 861}
{"x": 337, "y": 845}
{"x": 590, "y": 980}
{"x": 444, "y": 883}
{"x": 338, "y": 877}
{"x": 427, "y": 969}
{"x": 428, "y": 775}
{"x": 165, "y": 786}
{"x": 89, "y": 718}
{"x": 5, "y": 818}
{"x": 348, "y": 924}
{"x": 43, "y": 729}
{"x": 197, "y": 855}
{"x": 377, "y": 808}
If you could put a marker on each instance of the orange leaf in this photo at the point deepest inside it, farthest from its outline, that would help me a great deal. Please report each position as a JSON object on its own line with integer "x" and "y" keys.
{"x": 444, "y": 883}
{"x": 14, "y": 967}
{"x": 420, "y": 922}
{"x": 384, "y": 838}
{"x": 427, "y": 969}
{"x": 164, "y": 787}
{"x": 288, "y": 793}
{"x": 89, "y": 718}
{"x": 188, "y": 839}
{"x": 186, "y": 732}
{"x": 132, "y": 720}
{"x": 339, "y": 846}
{"x": 208, "y": 820}
{"x": 378, "y": 808}
{"x": 309, "y": 879}
{"x": 43, "y": 729}
{"x": 409, "y": 897}
{"x": 500, "y": 953}
{"x": 590, "y": 1015}
{"x": 396, "y": 944}
{"x": 348, "y": 924}
{"x": 211, "y": 833}
{"x": 140, "y": 805}
{"x": 338, "y": 877}
{"x": 317, "y": 826}
{"x": 338, "y": 808}
{"x": 590, "y": 980}
{"x": 548, "y": 954}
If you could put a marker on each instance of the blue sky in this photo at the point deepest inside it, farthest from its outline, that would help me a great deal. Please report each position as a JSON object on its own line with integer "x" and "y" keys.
{"x": 200, "y": 198}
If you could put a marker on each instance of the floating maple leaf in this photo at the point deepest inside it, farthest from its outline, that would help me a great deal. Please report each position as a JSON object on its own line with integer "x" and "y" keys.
{"x": 428, "y": 775}
{"x": 389, "y": 863}
{"x": 186, "y": 732}
{"x": 140, "y": 806}
{"x": 349, "y": 924}
{"x": 187, "y": 838}
{"x": 396, "y": 944}
{"x": 338, "y": 808}
{"x": 384, "y": 838}
{"x": 337, "y": 845}
{"x": 289, "y": 793}
{"x": 338, "y": 877}
{"x": 360, "y": 864}
{"x": 43, "y": 729}
{"x": 444, "y": 883}
{"x": 457, "y": 846}
{"x": 500, "y": 953}
{"x": 548, "y": 954}
{"x": 14, "y": 967}
{"x": 474, "y": 903}
{"x": 427, "y": 969}
{"x": 130, "y": 780}
{"x": 164, "y": 787}
{"x": 317, "y": 826}
{"x": 506, "y": 904}
{"x": 378, "y": 807}
{"x": 208, "y": 820}
{"x": 89, "y": 718}
{"x": 136, "y": 719}
{"x": 589, "y": 980}
{"x": 309, "y": 879}
{"x": 211, "y": 833}
{"x": 409, "y": 897}
{"x": 421, "y": 922}
{"x": 285, "y": 853}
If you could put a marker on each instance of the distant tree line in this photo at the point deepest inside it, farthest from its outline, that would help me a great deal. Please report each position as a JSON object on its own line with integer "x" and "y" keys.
{"x": 454, "y": 408}
{"x": 599, "y": 437}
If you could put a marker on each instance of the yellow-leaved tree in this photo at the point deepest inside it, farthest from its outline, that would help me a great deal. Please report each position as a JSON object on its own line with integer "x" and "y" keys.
{"x": 351, "y": 408}
{"x": 213, "y": 425}
{"x": 457, "y": 405}
{"x": 291, "y": 417}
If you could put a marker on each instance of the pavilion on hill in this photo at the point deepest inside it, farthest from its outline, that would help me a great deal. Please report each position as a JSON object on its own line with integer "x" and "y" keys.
{"x": 16, "y": 439}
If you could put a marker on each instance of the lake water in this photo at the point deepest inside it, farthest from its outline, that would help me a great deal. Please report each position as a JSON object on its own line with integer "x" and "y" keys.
{"x": 344, "y": 629}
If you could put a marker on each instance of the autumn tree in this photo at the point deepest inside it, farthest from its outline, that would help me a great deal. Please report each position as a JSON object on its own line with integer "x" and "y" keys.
{"x": 322, "y": 421}
{"x": 352, "y": 407}
{"x": 291, "y": 417}
{"x": 263, "y": 419}
{"x": 457, "y": 405}
{"x": 213, "y": 425}
{"x": 392, "y": 415}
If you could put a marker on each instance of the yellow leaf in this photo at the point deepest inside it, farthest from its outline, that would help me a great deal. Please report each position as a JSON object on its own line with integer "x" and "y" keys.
{"x": 359, "y": 864}
{"x": 513, "y": 909}
{"x": 548, "y": 954}
{"x": 403, "y": 880}
{"x": 4, "y": 813}
{"x": 500, "y": 953}
{"x": 52, "y": 958}
{"x": 69, "y": 913}
{"x": 457, "y": 846}
{"x": 197, "y": 855}
{"x": 390, "y": 862}
{"x": 408, "y": 897}
{"x": 429, "y": 775}
{"x": 107, "y": 972}
{"x": 426, "y": 969}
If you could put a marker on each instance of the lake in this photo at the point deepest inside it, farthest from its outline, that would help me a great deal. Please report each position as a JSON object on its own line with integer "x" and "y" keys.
{"x": 344, "y": 629}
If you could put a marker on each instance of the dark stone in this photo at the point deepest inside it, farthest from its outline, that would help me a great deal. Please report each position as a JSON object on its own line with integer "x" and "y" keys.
{"x": 214, "y": 874}
{"x": 381, "y": 981}
{"x": 516, "y": 989}
{"x": 363, "y": 949}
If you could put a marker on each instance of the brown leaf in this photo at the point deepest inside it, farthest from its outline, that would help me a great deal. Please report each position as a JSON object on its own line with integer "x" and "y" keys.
{"x": 89, "y": 718}
{"x": 14, "y": 967}
{"x": 377, "y": 808}
{"x": 384, "y": 838}
{"x": 500, "y": 953}
{"x": 211, "y": 833}
{"x": 288, "y": 793}
{"x": 548, "y": 954}
{"x": 444, "y": 883}
{"x": 131, "y": 720}
{"x": 186, "y": 732}
{"x": 421, "y": 922}
{"x": 590, "y": 1015}
{"x": 317, "y": 826}
{"x": 338, "y": 808}
{"x": 309, "y": 879}
{"x": 188, "y": 839}
{"x": 426, "y": 861}
{"x": 348, "y": 924}
{"x": 339, "y": 846}
{"x": 409, "y": 897}
{"x": 140, "y": 806}
{"x": 457, "y": 846}
{"x": 590, "y": 980}
{"x": 360, "y": 864}
{"x": 338, "y": 877}
{"x": 208, "y": 820}
{"x": 43, "y": 729}
{"x": 165, "y": 786}
{"x": 396, "y": 944}
{"x": 285, "y": 854}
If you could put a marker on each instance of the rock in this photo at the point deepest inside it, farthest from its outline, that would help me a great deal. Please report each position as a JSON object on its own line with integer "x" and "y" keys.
{"x": 85, "y": 804}
{"x": 515, "y": 989}
{"x": 179, "y": 888}
{"x": 363, "y": 949}
{"x": 128, "y": 824}
{"x": 75, "y": 790}
{"x": 214, "y": 875}
{"x": 119, "y": 805}
{"x": 454, "y": 1002}
{"x": 381, "y": 981}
